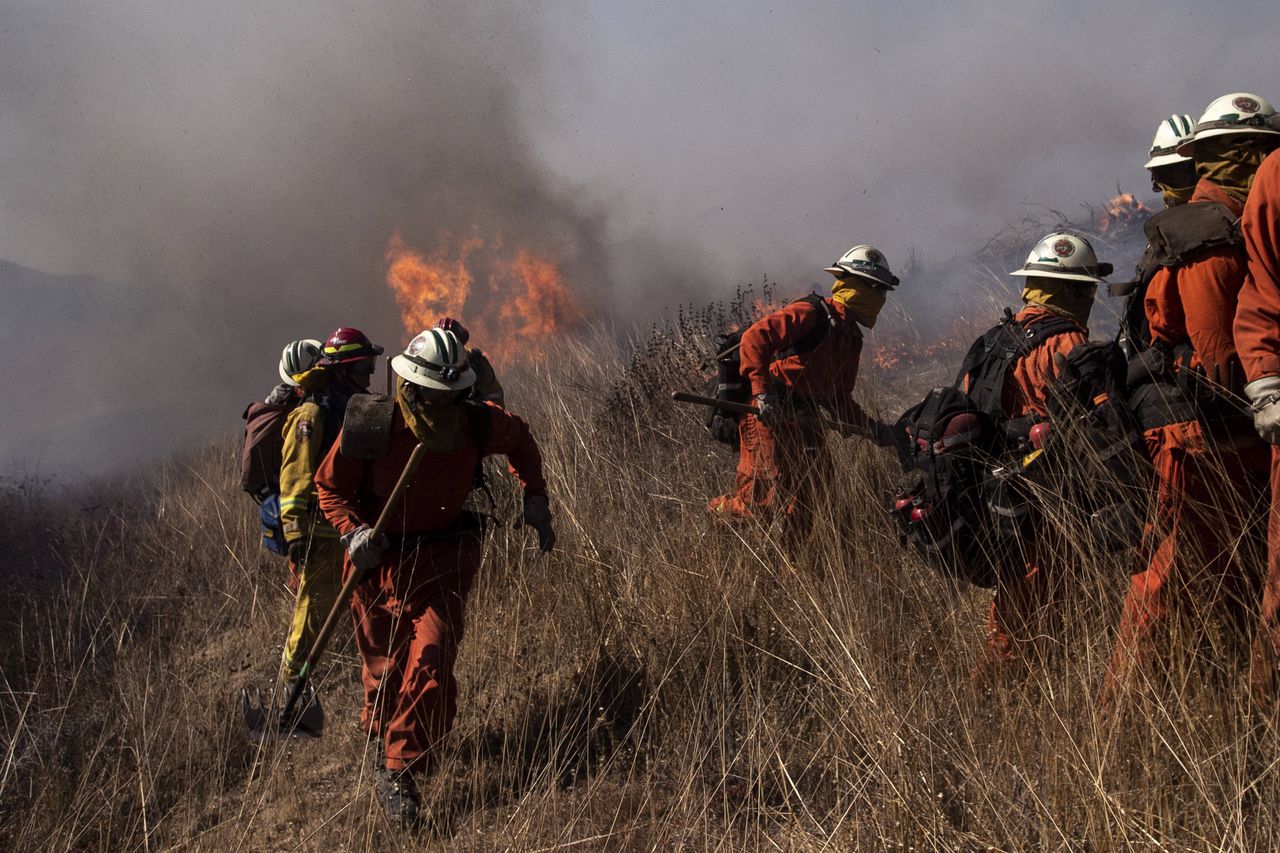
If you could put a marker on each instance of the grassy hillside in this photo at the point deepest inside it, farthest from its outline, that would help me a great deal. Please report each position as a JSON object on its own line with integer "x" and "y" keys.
{"x": 655, "y": 683}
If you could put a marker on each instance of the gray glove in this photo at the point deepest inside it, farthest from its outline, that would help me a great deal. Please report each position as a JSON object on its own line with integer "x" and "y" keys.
{"x": 1264, "y": 394}
{"x": 365, "y": 553}
{"x": 537, "y": 514}
{"x": 769, "y": 405}
{"x": 280, "y": 394}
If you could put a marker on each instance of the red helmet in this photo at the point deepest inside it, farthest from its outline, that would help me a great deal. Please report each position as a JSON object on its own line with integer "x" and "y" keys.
{"x": 347, "y": 344}
{"x": 449, "y": 324}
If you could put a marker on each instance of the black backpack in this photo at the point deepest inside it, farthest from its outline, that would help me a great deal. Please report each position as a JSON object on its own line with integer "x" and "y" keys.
{"x": 729, "y": 385}
{"x": 956, "y": 504}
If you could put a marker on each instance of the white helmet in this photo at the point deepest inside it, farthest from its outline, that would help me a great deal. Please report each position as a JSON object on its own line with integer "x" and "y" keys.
{"x": 298, "y": 357}
{"x": 1239, "y": 112}
{"x": 865, "y": 262}
{"x": 435, "y": 359}
{"x": 1171, "y": 133}
{"x": 1064, "y": 255}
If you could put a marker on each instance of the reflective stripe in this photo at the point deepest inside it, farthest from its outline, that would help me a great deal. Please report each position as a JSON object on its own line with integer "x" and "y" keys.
{"x": 344, "y": 348}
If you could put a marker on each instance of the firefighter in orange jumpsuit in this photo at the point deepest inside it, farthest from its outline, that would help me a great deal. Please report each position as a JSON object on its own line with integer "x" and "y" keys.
{"x": 1208, "y": 463}
{"x": 797, "y": 359}
{"x": 1061, "y": 277}
{"x": 1257, "y": 330}
{"x": 409, "y": 608}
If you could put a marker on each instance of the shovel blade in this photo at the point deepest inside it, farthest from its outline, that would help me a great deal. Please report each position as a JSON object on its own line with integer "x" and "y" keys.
{"x": 262, "y": 715}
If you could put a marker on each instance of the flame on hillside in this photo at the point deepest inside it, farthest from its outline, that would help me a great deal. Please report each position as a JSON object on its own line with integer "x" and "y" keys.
{"x": 1122, "y": 211}
{"x": 512, "y": 300}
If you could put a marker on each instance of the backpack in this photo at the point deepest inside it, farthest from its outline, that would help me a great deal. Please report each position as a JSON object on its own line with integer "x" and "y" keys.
{"x": 263, "y": 451}
{"x": 1174, "y": 236}
{"x": 956, "y": 504}
{"x": 728, "y": 383}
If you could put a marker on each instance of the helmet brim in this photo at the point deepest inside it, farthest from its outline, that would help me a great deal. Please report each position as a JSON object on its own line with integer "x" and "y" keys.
{"x": 1188, "y": 148}
{"x": 841, "y": 272}
{"x": 1067, "y": 276}
{"x": 1166, "y": 160}
{"x": 288, "y": 380}
{"x": 418, "y": 375}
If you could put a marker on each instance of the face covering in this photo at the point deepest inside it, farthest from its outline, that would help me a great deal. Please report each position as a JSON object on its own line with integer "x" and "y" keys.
{"x": 1175, "y": 182}
{"x": 1174, "y": 196}
{"x": 1231, "y": 161}
{"x": 437, "y": 425}
{"x": 860, "y": 297}
{"x": 315, "y": 379}
{"x": 1072, "y": 299}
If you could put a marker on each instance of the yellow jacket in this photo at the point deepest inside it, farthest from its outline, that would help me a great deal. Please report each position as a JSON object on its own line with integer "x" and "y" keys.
{"x": 303, "y": 442}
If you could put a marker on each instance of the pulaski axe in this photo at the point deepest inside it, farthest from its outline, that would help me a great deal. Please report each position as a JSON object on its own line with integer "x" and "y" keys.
{"x": 301, "y": 714}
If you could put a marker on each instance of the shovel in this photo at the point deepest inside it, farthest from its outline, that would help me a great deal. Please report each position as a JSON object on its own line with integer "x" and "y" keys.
{"x": 301, "y": 714}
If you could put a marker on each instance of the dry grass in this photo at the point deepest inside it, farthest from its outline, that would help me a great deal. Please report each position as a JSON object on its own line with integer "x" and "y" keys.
{"x": 656, "y": 683}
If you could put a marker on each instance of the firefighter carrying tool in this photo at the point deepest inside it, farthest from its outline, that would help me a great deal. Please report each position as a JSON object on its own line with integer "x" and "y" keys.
{"x": 794, "y": 361}
{"x": 414, "y": 578}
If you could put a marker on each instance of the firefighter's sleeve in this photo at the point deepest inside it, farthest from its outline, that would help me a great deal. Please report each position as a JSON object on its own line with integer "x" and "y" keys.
{"x": 338, "y": 488}
{"x": 770, "y": 335}
{"x": 303, "y": 434}
{"x": 1257, "y": 321}
{"x": 1210, "y": 289}
{"x": 511, "y": 437}
{"x": 488, "y": 389}
{"x": 1163, "y": 307}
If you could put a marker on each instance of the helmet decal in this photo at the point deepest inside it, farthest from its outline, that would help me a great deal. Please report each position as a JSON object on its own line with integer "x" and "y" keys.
{"x": 1064, "y": 248}
{"x": 1246, "y": 104}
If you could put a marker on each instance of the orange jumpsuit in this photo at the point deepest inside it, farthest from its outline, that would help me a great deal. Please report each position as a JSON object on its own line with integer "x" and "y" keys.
{"x": 1207, "y": 473}
{"x": 1257, "y": 331}
{"x": 1022, "y": 606}
{"x": 783, "y": 469}
{"x": 409, "y": 611}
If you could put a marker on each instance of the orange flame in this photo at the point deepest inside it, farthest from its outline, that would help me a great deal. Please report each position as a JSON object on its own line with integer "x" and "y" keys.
{"x": 513, "y": 304}
{"x": 1122, "y": 211}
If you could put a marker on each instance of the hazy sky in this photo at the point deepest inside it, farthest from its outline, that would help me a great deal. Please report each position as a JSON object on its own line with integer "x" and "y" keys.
{"x": 242, "y": 164}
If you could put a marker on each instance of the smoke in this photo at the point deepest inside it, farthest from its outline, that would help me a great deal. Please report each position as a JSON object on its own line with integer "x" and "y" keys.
{"x": 243, "y": 165}
{"x": 229, "y": 173}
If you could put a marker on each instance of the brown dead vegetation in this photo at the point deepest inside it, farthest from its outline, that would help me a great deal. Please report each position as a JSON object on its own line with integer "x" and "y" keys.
{"x": 656, "y": 683}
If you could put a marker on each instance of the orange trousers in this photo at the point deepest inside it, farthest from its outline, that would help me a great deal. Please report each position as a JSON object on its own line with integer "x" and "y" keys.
{"x": 409, "y": 622}
{"x": 1025, "y": 610}
{"x": 1265, "y": 667}
{"x": 779, "y": 470}
{"x": 1199, "y": 552}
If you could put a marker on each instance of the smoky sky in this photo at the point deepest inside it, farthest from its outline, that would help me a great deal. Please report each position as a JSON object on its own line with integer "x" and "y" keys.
{"x": 229, "y": 173}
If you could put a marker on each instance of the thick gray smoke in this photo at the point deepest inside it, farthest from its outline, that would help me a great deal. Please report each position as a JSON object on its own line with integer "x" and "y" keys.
{"x": 229, "y": 173}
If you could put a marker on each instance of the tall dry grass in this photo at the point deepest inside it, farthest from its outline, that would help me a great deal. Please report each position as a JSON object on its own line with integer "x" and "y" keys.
{"x": 655, "y": 683}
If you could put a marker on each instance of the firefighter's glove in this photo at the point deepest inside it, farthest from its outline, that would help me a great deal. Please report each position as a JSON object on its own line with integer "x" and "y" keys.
{"x": 365, "y": 553}
{"x": 280, "y": 395}
{"x": 769, "y": 409}
{"x": 298, "y": 552}
{"x": 537, "y": 514}
{"x": 1264, "y": 394}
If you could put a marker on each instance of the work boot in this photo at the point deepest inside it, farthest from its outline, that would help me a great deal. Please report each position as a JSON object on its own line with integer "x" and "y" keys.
{"x": 398, "y": 791}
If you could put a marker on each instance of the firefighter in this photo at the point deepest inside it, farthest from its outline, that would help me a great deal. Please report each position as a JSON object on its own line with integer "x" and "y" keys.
{"x": 297, "y": 357}
{"x": 487, "y": 389}
{"x": 1257, "y": 331}
{"x": 797, "y": 359}
{"x": 345, "y": 367}
{"x": 1173, "y": 175}
{"x": 1195, "y": 578}
{"x": 1060, "y": 280}
{"x": 409, "y": 605}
